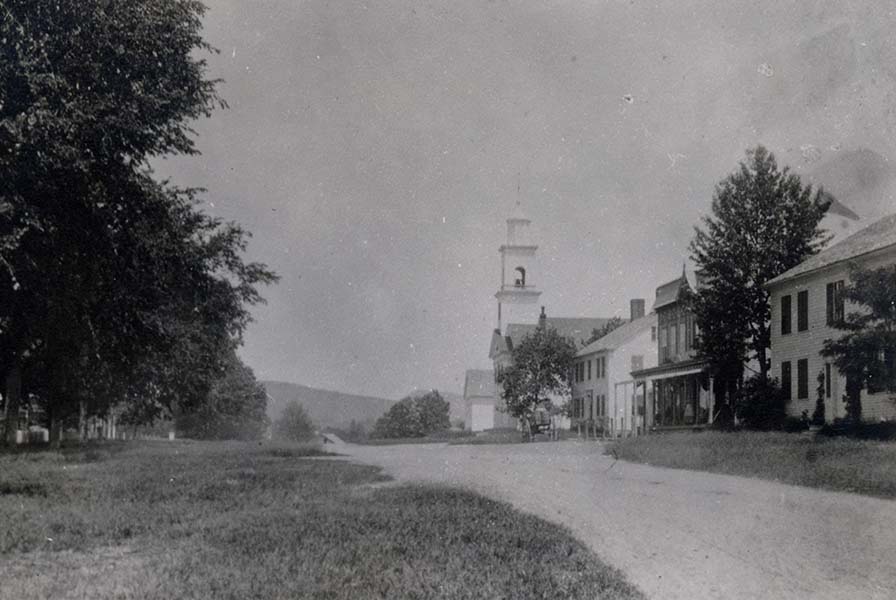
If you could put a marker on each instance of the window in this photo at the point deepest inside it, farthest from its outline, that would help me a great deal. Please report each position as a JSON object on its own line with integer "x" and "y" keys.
{"x": 603, "y": 406}
{"x": 653, "y": 333}
{"x": 682, "y": 335}
{"x": 603, "y": 366}
{"x": 785, "y": 380}
{"x": 589, "y": 401}
{"x": 674, "y": 333}
{"x": 835, "y": 302}
{"x": 785, "y": 314}
{"x": 802, "y": 311}
{"x": 827, "y": 380}
{"x": 589, "y": 369}
{"x": 802, "y": 379}
{"x": 521, "y": 280}
{"x": 637, "y": 362}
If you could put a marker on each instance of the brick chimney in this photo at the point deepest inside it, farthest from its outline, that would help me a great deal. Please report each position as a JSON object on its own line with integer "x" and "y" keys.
{"x": 637, "y": 308}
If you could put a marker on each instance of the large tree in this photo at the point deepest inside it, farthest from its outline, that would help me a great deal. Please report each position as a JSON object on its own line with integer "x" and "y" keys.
{"x": 103, "y": 269}
{"x": 542, "y": 363}
{"x": 764, "y": 221}
{"x": 235, "y": 407}
{"x": 414, "y": 417}
{"x": 866, "y": 352}
{"x": 294, "y": 424}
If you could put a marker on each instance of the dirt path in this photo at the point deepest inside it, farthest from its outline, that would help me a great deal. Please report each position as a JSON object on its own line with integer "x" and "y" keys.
{"x": 677, "y": 534}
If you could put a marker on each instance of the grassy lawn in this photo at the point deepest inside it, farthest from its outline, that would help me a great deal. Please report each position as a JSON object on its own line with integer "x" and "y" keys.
{"x": 839, "y": 464}
{"x": 219, "y": 520}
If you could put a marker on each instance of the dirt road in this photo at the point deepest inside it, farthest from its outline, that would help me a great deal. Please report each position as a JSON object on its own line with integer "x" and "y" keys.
{"x": 677, "y": 534}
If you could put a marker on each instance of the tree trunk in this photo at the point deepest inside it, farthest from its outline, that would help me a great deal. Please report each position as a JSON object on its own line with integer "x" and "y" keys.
{"x": 82, "y": 421}
{"x": 13, "y": 401}
{"x": 55, "y": 426}
{"x": 763, "y": 364}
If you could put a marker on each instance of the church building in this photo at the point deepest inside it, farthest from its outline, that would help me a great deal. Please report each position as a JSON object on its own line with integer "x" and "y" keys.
{"x": 518, "y": 315}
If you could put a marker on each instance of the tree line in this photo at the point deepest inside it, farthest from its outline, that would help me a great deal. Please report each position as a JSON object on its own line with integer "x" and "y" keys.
{"x": 115, "y": 287}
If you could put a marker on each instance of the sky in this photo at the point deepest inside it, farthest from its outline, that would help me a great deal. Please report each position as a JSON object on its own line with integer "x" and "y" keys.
{"x": 375, "y": 150}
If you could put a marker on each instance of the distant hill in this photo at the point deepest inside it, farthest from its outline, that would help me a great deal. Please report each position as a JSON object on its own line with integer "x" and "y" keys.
{"x": 326, "y": 408}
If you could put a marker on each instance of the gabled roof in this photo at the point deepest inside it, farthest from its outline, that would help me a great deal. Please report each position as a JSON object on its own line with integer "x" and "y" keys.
{"x": 620, "y": 335}
{"x": 479, "y": 382}
{"x": 876, "y": 236}
{"x": 578, "y": 329}
{"x": 669, "y": 293}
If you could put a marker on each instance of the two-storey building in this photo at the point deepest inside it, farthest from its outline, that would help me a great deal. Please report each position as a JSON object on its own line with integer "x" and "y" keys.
{"x": 676, "y": 392}
{"x": 806, "y": 303}
{"x": 603, "y": 391}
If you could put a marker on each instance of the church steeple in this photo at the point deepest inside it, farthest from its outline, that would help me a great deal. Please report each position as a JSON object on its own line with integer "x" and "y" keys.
{"x": 517, "y": 262}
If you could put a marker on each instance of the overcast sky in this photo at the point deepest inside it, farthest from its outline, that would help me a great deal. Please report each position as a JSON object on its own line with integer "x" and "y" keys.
{"x": 375, "y": 149}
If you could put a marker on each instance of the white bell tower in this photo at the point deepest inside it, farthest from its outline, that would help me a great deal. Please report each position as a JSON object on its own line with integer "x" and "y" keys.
{"x": 518, "y": 295}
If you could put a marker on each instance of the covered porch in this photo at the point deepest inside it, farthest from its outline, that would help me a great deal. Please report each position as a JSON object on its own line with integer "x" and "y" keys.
{"x": 676, "y": 395}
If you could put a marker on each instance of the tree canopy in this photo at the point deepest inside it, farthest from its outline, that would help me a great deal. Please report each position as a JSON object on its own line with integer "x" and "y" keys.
{"x": 294, "y": 424}
{"x": 542, "y": 363}
{"x": 866, "y": 352}
{"x": 113, "y": 285}
{"x": 599, "y": 332}
{"x": 414, "y": 417}
{"x": 764, "y": 221}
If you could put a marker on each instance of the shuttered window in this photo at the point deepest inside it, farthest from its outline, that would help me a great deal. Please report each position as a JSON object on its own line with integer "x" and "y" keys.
{"x": 785, "y": 314}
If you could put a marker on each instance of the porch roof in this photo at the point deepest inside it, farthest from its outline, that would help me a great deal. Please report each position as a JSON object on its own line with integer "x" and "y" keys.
{"x": 676, "y": 369}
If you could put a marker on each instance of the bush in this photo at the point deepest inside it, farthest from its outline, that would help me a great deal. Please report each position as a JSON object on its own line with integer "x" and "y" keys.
{"x": 294, "y": 424}
{"x": 795, "y": 424}
{"x": 761, "y": 404}
{"x": 884, "y": 431}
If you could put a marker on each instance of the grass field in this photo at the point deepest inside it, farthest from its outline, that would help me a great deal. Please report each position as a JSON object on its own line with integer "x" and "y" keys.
{"x": 216, "y": 520}
{"x": 839, "y": 464}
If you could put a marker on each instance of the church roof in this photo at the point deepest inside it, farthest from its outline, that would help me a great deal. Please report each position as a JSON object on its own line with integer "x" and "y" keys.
{"x": 479, "y": 382}
{"x": 579, "y": 329}
{"x": 620, "y": 335}
{"x": 876, "y": 236}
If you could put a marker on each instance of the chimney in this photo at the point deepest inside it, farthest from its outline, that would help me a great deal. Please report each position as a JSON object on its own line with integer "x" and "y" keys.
{"x": 637, "y": 308}
{"x": 542, "y": 318}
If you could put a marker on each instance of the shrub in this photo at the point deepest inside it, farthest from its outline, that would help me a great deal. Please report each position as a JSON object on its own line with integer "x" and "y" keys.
{"x": 796, "y": 424}
{"x": 761, "y": 404}
{"x": 884, "y": 431}
{"x": 818, "y": 416}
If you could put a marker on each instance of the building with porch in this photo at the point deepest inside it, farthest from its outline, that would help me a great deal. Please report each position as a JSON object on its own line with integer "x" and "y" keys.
{"x": 806, "y": 302}
{"x": 676, "y": 392}
{"x": 603, "y": 391}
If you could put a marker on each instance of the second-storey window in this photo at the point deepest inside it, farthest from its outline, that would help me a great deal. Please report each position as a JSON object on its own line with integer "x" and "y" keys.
{"x": 802, "y": 310}
{"x": 835, "y": 302}
{"x": 589, "y": 370}
{"x": 785, "y": 314}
